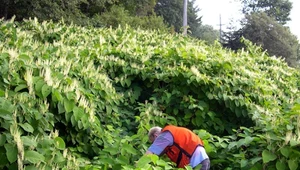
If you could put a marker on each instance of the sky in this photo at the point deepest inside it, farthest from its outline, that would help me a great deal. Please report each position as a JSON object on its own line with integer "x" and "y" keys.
{"x": 229, "y": 10}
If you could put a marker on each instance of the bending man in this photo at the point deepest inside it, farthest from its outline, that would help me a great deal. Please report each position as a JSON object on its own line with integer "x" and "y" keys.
{"x": 180, "y": 144}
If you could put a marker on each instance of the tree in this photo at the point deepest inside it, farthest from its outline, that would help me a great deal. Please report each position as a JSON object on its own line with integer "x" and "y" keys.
{"x": 139, "y": 7}
{"x": 172, "y": 11}
{"x": 208, "y": 34}
{"x": 136, "y": 13}
{"x": 43, "y": 10}
{"x": 270, "y": 35}
{"x": 118, "y": 15}
{"x": 277, "y": 9}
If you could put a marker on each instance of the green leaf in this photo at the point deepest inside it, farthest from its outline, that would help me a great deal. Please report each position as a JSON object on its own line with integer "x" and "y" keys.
{"x": 34, "y": 157}
{"x": 293, "y": 164}
{"x": 38, "y": 87}
{"x": 27, "y": 127}
{"x": 56, "y": 96}
{"x": 20, "y": 87}
{"x": 3, "y": 157}
{"x": 69, "y": 105}
{"x": 59, "y": 157}
{"x": 46, "y": 90}
{"x": 61, "y": 108}
{"x": 31, "y": 167}
{"x": 244, "y": 163}
{"x": 28, "y": 141}
{"x": 6, "y": 109}
{"x": 24, "y": 57}
{"x": 2, "y": 93}
{"x": 78, "y": 113}
{"x": 294, "y": 142}
{"x": 285, "y": 151}
{"x": 5, "y": 114}
{"x": 254, "y": 160}
{"x": 2, "y": 139}
{"x": 108, "y": 109}
{"x": 143, "y": 161}
{"x": 59, "y": 143}
{"x": 280, "y": 165}
{"x": 154, "y": 158}
{"x": 129, "y": 149}
{"x": 111, "y": 150}
{"x": 11, "y": 152}
{"x": 123, "y": 160}
{"x": 268, "y": 156}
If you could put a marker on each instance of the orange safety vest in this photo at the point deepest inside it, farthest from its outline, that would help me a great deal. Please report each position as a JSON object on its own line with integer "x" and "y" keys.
{"x": 184, "y": 145}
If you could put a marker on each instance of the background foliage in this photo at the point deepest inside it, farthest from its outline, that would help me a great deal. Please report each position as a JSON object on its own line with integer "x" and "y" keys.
{"x": 265, "y": 25}
{"x": 78, "y": 98}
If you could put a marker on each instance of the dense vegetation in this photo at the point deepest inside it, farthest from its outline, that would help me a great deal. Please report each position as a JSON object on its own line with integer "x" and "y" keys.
{"x": 83, "y": 98}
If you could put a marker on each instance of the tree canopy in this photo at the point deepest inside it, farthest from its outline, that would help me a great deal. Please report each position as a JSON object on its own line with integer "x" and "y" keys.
{"x": 147, "y": 14}
{"x": 264, "y": 25}
{"x": 277, "y": 9}
{"x": 172, "y": 11}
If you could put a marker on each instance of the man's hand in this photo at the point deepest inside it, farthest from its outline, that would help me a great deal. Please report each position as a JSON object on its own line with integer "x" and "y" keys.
{"x": 148, "y": 152}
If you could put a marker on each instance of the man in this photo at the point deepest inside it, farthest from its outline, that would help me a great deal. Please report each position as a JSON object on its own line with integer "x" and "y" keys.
{"x": 180, "y": 144}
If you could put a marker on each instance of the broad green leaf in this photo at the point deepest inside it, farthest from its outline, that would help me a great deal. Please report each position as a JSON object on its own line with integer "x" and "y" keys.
{"x": 143, "y": 161}
{"x": 46, "y": 90}
{"x": 2, "y": 139}
{"x": 24, "y": 57}
{"x": 244, "y": 163}
{"x": 33, "y": 157}
{"x": 59, "y": 143}
{"x": 111, "y": 150}
{"x": 60, "y": 107}
{"x": 2, "y": 93}
{"x": 5, "y": 114}
{"x": 129, "y": 149}
{"x": 285, "y": 151}
{"x": 28, "y": 141}
{"x": 268, "y": 156}
{"x": 69, "y": 105}
{"x": 56, "y": 96}
{"x": 108, "y": 109}
{"x": 59, "y": 157}
{"x": 108, "y": 160}
{"x": 46, "y": 143}
{"x": 20, "y": 87}
{"x": 3, "y": 157}
{"x": 154, "y": 158}
{"x": 294, "y": 142}
{"x": 254, "y": 160}
{"x": 27, "y": 127}
{"x": 78, "y": 113}
{"x": 38, "y": 87}
{"x": 280, "y": 165}
{"x": 11, "y": 152}
{"x": 6, "y": 109}
{"x": 123, "y": 159}
{"x": 293, "y": 164}
{"x": 31, "y": 167}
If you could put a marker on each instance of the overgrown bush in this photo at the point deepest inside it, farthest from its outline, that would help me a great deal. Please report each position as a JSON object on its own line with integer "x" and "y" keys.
{"x": 83, "y": 98}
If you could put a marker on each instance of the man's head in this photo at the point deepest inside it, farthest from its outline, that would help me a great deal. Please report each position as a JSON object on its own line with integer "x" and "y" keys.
{"x": 153, "y": 133}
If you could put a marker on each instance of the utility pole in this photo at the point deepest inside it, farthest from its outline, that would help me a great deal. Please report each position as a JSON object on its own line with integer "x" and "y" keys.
{"x": 220, "y": 28}
{"x": 185, "y": 17}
